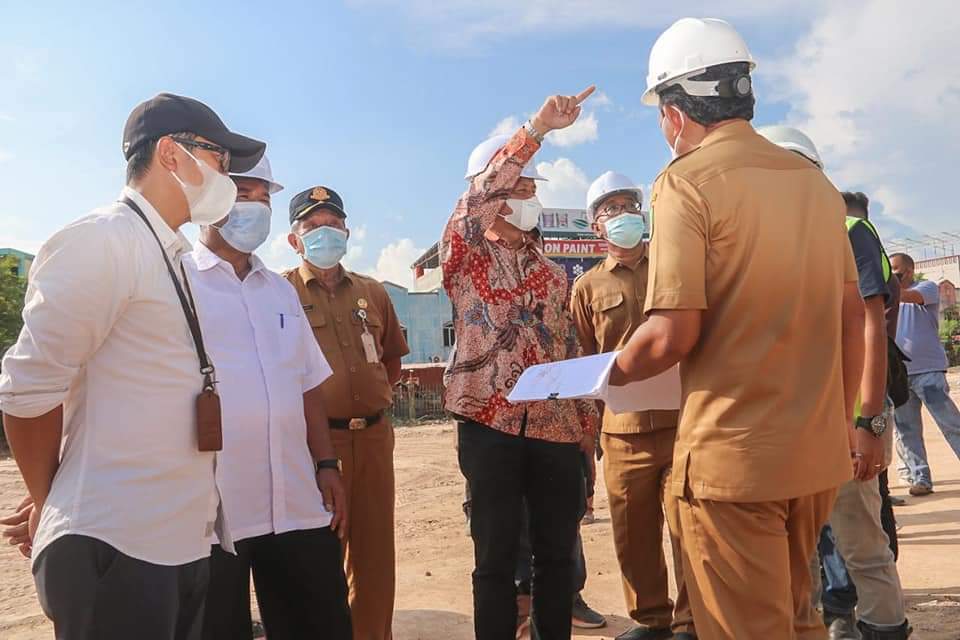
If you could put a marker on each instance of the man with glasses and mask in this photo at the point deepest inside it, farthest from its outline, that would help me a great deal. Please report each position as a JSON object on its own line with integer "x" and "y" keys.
{"x": 510, "y": 312}
{"x": 109, "y": 400}
{"x": 278, "y": 474}
{"x": 357, "y": 328}
{"x": 607, "y": 307}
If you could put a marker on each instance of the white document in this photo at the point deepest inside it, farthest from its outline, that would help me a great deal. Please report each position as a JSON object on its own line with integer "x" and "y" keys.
{"x": 588, "y": 378}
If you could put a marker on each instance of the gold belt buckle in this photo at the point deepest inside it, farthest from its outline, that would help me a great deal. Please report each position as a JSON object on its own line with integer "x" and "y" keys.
{"x": 358, "y": 423}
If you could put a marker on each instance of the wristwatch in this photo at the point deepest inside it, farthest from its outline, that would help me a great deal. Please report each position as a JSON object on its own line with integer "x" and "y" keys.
{"x": 532, "y": 131}
{"x": 327, "y": 463}
{"x": 874, "y": 424}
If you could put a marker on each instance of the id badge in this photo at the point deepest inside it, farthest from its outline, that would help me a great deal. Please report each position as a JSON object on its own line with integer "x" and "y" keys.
{"x": 209, "y": 428}
{"x": 369, "y": 347}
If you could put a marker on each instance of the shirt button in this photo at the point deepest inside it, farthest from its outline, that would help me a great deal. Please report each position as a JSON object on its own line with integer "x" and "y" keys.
{"x": 345, "y": 343}
{"x": 353, "y": 369}
{"x": 356, "y": 396}
{"x": 339, "y": 318}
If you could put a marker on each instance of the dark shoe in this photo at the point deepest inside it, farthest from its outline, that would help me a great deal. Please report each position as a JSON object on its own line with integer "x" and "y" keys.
{"x": 841, "y": 627}
{"x": 646, "y": 633}
{"x": 870, "y": 633}
{"x": 584, "y": 617}
{"x": 897, "y": 501}
{"x": 917, "y": 490}
{"x": 683, "y": 635}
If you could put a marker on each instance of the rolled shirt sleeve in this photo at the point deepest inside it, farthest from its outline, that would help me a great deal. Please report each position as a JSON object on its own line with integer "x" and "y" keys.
{"x": 868, "y": 253}
{"x": 80, "y": 283}
{"x": 678, "y": 246}
{"x": 929, "y": 290}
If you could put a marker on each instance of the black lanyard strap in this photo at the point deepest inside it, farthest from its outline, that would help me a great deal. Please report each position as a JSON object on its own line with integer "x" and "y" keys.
{"x": 187, "y": 302}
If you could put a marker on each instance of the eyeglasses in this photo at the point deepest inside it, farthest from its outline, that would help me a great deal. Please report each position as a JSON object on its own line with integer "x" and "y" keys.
{"x": 223, "y": 154}
{"x": 612, "y": 210}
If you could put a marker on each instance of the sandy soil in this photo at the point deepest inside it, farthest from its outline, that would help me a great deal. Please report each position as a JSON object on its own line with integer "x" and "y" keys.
{"x": 435, "y": 556}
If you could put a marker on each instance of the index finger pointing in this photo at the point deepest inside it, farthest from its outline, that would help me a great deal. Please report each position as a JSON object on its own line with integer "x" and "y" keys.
{"x": 583, "y": 95}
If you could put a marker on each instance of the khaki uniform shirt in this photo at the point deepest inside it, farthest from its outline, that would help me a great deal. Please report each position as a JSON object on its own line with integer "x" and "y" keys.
{"x": 357, "y": 388}
{"x": 607, "y": 307}
{"x": 755, "y": 237}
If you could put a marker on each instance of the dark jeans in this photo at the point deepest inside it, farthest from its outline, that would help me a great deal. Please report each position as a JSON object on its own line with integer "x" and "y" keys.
{"x": 839, "y": 593}
{"x": 300, "y": 586}
{"x": 503, "y": 471}
{"x": 92, "y": 591}
{"x": 524, "y": 573}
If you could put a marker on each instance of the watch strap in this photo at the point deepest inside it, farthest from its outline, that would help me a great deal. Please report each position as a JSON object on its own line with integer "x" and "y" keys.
{"x": 532, "y": 131}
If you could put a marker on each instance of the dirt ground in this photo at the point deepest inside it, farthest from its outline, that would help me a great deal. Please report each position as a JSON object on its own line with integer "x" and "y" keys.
{"x": 435, "y": 555}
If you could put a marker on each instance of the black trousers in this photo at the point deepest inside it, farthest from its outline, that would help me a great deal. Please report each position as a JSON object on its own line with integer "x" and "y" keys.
{"x": 92, "y": 591}
{"x": 299, "y": 581}
{"x": 887, "y": 519}
{"x": 524, "y": 575}
{"x": 503, "y": 471}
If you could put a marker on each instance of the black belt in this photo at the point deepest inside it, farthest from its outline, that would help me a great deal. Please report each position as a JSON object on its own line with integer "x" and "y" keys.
{"x": 353, "y": 424}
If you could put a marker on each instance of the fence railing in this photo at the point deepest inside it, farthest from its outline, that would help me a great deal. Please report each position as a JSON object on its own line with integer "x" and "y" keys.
{"x": 417, "y": 402}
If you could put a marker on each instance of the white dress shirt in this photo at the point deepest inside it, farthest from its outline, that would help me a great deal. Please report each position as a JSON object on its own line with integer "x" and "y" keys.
{"x": 105, "y": 336}
{"x": 266, "y": 357}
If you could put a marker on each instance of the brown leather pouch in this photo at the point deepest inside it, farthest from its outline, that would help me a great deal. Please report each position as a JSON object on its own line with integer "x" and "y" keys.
{"x": 209, "y": 428}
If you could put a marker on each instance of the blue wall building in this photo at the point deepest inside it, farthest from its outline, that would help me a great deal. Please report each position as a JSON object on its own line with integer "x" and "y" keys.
{"x": 427, "y": 321}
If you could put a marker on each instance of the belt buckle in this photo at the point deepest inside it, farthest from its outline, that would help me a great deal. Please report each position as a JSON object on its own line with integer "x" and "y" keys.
{"x": 357, "y": 423}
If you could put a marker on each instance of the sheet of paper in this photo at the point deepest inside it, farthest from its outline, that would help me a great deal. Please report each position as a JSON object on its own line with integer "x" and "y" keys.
{"x": 588, "y": 378}
{"x": 567, "y": 379}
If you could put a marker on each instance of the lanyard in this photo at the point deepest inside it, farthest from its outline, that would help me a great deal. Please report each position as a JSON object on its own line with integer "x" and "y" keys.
{"x": 186, "y": 302}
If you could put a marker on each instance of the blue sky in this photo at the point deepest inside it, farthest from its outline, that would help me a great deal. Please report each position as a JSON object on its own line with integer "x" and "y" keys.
{"x": 384, "y": 99}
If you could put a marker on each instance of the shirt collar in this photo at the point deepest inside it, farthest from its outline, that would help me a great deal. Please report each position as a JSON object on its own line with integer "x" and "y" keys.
{"x": 206, "y": 259}
{"x": 169, "y": 238}
{"x": 736, "y": 129}
{"x": 307, "y": 274}
{"x": 610, "y": 263}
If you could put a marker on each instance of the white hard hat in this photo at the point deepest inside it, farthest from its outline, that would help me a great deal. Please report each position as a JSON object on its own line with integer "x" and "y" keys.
{"x": 263, "y": 172}
{"x": 687, "y": 48}
{"x": 609, "y": 184}
{"x": 483, "y": 153}
{"x": 793, "y": 140}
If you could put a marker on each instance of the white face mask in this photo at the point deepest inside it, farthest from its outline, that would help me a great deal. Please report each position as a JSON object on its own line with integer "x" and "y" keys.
{"x": 212, "y": 199}
{"x": 676, "y": 143}
{"x": 524, "y": 214}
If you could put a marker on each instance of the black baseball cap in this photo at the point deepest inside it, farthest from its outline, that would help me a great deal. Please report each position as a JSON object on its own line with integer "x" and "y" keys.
{"x": 167, "y": 113}
{"x": 313, "y": 198}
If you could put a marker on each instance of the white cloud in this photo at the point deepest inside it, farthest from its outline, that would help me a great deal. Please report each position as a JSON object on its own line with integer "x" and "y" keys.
{"x": 871, "y": 86}
{"x": 277, "y": 253}
{"x": 600, "y": 99}
{"x": 5, "y": 155}
{"x": 510, "y": 124}
{"x": 394, "y": 262}
{"x": 463, "y": 25}
{"x": 566, "y": 186}
{"x": 585, "y": 129}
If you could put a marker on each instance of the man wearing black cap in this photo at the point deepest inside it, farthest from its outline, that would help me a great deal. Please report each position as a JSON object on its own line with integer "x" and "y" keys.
{"x": 109, "y": 400}
{"x": 356, "y": 326}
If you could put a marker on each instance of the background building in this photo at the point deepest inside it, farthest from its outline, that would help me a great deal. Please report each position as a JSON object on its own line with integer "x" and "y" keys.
{"x": 427, "y": 321}
{"x": 24, "y": 260}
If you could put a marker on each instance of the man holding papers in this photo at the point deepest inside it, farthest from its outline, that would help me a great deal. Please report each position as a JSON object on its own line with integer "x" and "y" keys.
{"x": 510, "y": 312}
{"x": 607, "y": 307}
{"x": 753, "y": 290}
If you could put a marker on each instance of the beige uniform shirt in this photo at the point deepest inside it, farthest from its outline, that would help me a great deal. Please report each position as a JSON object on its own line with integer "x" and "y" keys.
{"x": 357, "y": 388}
{"x": 607, "y": 307}
{"x": 754, "y": 236}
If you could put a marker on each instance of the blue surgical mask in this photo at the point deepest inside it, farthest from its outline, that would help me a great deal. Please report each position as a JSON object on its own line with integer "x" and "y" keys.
{"x": 626, "y": 230}
{"x": 324, "y": 247}
{"x": 247, "y": 227}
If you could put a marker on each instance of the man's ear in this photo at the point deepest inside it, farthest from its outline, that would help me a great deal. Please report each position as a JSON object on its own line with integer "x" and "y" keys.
{"x": 166, "y": 153}
{"x": 295, "y": 242}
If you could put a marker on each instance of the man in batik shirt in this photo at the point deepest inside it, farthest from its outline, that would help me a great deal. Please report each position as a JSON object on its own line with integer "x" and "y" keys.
{"x": 510, "y": 313}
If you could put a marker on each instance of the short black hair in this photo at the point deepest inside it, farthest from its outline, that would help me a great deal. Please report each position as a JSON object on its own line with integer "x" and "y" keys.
{"x": 857, "y": 200}
{"x": 903, "y": 257}
{"x": 712, "y": 109}
{"x": 142, "y": 156}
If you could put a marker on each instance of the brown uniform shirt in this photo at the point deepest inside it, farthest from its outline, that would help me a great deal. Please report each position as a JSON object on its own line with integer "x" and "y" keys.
{"x": 607, "y": 307}
{"x": 357, "y": 388}
{"x": 755, "y": 237}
